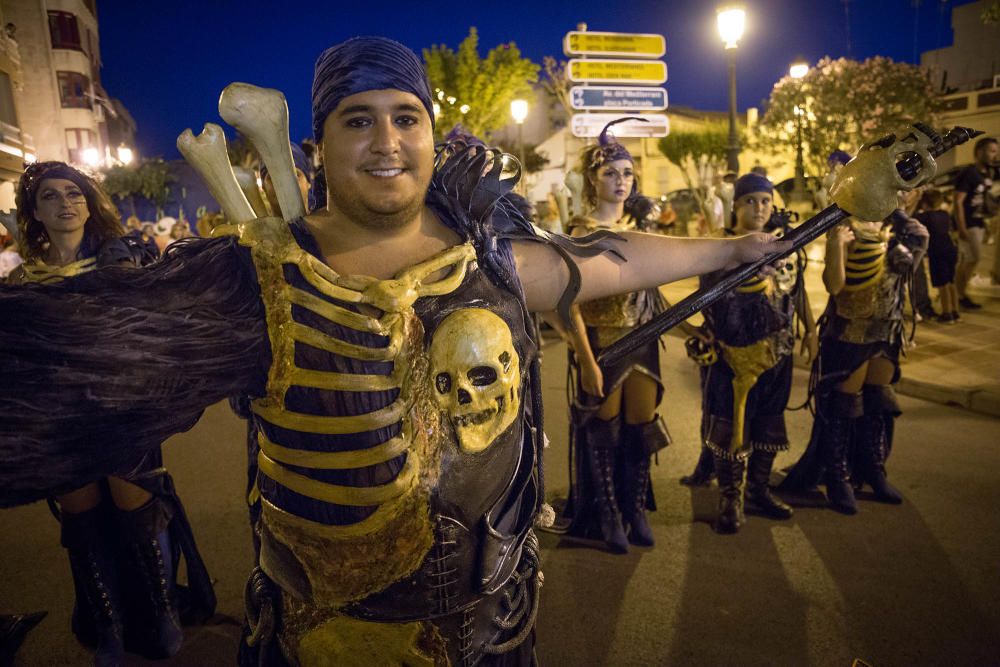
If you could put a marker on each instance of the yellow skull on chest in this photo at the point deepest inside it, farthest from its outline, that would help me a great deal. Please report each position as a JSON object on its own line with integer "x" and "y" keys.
{"x": 477, "y": 376}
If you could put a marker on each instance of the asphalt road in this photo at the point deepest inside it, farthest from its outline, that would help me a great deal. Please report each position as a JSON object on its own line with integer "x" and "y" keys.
{"x": 915, "y": 584}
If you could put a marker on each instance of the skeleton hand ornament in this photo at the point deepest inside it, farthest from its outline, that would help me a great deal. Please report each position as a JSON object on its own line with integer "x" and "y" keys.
{"x": 476, "y": 374}
{"x": 866, "y": 187}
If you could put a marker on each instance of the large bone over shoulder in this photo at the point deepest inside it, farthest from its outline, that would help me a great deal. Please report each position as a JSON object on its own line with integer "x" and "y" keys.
{"x": 207, "y": 154}
{"x": 261, "y": 115}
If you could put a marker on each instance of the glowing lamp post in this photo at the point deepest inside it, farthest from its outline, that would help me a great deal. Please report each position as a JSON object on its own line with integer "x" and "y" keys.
{"x": 797, "y": 71}
{"x": 519, "y": 112}
{"x": 731, "y": 21}
{"x": 125, "y": 155}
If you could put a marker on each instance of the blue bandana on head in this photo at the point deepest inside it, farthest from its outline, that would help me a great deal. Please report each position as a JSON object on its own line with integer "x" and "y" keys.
{"x": 362, "y": 64}
{"x": 750, "y": 183}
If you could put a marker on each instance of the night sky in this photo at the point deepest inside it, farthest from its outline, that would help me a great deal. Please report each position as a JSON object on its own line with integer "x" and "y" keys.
{"x": 168, "y": 61}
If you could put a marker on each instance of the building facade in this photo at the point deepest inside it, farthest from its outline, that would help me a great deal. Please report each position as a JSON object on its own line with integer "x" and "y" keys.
{"x": 62, "y": 103}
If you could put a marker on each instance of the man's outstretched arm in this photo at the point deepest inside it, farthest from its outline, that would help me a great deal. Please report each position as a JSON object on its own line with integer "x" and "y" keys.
{"x": 650, "y": 260}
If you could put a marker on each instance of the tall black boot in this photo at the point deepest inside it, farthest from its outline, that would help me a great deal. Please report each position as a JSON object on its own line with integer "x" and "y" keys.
{"x": 145, "y": 532}
{"x": 840, "y": 413}
{"x": 642, "y": 441}
{"x": 873, "y": 442}
{"x": 731, "y": 471}
{"x": 603, "y": 442}
{"x": 758, "y": 491}
{"x": 97, "y": 616}
{"x": 704, "y": 470}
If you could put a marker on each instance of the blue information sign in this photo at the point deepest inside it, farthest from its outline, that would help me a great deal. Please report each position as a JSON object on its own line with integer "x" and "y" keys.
{"x": 618, "y": 97}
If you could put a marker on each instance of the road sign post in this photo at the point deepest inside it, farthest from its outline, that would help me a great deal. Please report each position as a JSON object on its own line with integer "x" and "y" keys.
{"x": 630, "y": 98}
{"x": 630, "y": 45}
{"x": 587, "y": 125}
{"x": 603, "y": 70}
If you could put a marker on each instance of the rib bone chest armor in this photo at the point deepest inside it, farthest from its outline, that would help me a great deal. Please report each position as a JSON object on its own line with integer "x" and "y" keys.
{"x": 393, "y": 446}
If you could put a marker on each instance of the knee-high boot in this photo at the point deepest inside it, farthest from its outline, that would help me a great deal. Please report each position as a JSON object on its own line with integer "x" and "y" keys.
{"x": 642, "y": 441}
{"x": 97, "y": 618}
{"x": 146, "y": 534}
{"x": 704, "y": 470}
{"x": 880, "y": 406}
{"x": 758, "y": 490}
{"x": 731, "y": 472}
{"x": 603, "y": 442}
{"x": 839, "y": 416}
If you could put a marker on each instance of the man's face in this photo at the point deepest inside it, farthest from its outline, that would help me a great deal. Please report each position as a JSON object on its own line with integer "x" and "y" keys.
{"x": 378, "y": 154}
{"x": 988, "y": 153}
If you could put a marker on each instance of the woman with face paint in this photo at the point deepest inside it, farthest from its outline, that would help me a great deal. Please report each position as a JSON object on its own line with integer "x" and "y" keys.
{"x": 747, "y": 384}
{"x": 615, "y": 429}
{"x": 118, "y": 531}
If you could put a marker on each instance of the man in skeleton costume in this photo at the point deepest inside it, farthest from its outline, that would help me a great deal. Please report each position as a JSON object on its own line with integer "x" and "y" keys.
{"x": 746, "y": 389}
{"x": 386, "y": 342}
{"x": 868, "y": 266}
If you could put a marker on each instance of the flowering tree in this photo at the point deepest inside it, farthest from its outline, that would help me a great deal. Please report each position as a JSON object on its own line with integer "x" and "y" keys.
{"x": 844, "y": 103}
{"x": 475, "y": 91}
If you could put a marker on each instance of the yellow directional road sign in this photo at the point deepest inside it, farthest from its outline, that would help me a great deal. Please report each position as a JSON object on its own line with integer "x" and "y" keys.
{"x": 617, "y": 71}
{"x": 614, "y": 44}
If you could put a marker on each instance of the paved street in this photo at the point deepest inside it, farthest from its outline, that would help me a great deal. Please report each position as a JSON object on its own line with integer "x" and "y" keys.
{"x": 909, "y": 585}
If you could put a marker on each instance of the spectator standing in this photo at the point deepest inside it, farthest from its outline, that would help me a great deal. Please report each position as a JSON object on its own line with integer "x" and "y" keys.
{"x": 942, "y": 255}
{"x": 973, "y": 205}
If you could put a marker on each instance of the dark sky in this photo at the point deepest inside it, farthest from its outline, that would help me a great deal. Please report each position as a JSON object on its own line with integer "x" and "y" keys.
{"x": 168, "y": 61}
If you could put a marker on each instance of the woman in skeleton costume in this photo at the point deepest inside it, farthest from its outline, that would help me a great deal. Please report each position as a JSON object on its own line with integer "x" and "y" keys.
{"x": 123, "y": 533}
{"x": 747, "y": 387}
{"x": 868, "y": 266}
{"x": 615, "y": 429}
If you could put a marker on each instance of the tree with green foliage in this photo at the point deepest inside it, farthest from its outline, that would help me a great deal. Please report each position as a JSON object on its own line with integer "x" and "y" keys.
{"x": 700, "y": 155}
{"x": 150, "y": 179}
{"x": 475, "y": 91}
{"x": 844, "y": 103}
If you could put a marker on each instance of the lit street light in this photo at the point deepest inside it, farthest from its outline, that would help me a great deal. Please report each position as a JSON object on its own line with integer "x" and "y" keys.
{"x": 731, "y": 21}
{"x": 519, "y": 112}
{"x": 125, "y": 155}
{"x": 797, "y": 71}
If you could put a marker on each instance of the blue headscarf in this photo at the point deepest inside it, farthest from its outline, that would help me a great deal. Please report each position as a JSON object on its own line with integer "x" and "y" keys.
{"x": 749, "y": 183}
{"x": 362, "y": 64}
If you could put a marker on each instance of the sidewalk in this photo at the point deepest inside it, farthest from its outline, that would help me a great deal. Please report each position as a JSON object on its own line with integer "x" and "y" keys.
{"x": 955, "y": 364}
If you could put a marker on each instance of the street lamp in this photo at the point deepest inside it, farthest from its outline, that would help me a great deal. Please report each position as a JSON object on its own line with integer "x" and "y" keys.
{"x": 731, "y": 21}
{"x": 519, "y": 111}
{"x": 125, "y": 155}
{"x": 797, "y": 71}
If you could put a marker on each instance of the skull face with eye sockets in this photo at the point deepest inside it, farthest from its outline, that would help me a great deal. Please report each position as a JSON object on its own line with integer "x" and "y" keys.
{"x": 476, "y": 375}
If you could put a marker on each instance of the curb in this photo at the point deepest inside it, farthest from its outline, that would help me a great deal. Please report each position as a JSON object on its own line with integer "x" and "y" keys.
{"x": 983, "y": 401}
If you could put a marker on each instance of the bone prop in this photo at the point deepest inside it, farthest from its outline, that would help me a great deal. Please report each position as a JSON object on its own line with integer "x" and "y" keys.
{"x": 911, "y": 171}
{"x": 207, "y": 154}
{"x": 261, "y": 115}
{"x": 247, "y": 180}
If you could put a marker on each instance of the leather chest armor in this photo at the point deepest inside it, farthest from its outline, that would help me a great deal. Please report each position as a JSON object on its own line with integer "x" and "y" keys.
{"x": 396, "y": 463}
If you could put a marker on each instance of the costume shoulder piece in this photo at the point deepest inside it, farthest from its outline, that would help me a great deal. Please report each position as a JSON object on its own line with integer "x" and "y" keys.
{"x": 475, "y": 198}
